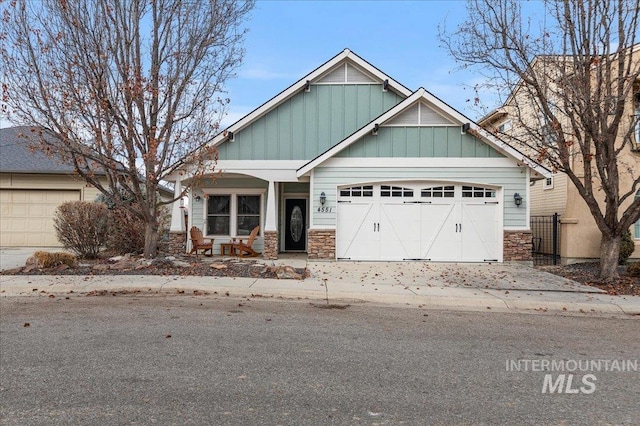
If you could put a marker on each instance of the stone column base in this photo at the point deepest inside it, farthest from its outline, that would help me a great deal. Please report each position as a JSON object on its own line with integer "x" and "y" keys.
{"x": 517, "y": 246}
{"x": 270, "y": 250}
{"x": 177, "y": 242}
{"x": 322, "y": 244}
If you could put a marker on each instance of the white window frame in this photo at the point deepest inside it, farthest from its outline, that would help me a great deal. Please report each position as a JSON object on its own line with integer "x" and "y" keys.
{"x": 548, "y": 183}
{"x": 505, "y": 126}
{"x": 233, "y": 209}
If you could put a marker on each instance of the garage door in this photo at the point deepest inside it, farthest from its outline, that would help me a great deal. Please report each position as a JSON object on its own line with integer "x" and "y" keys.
{"x": 448, "y": 223}
{"x": 26, "y": 216}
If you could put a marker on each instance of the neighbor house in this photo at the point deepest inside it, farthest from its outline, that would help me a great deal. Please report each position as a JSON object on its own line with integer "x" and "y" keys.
{"x": 579, "y": 236}
{"x": 32, "y": 186}
{"x": 348, "y": 163}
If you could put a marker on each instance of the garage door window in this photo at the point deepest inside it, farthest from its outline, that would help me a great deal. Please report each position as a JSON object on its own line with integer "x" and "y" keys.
{"x": 438, "y": 192}
{"x": 395, "y": 191}
{"x": 357, "y": 191}
{"x": 477, "y": 192}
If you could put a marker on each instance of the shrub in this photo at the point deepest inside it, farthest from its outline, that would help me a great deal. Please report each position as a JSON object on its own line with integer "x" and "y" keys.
{"x": 82, "y": 227}
{"x": 633, "y": 270}
{"x": 626, "y": 248}
{"x": 44, "y": 259}
{"x": 126, "y": 231}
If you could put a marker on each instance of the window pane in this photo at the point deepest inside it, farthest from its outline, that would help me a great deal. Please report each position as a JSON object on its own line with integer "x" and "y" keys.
{"x": 218, "y": 225}
{"x": 249, "y": 204}
{"x": 218, "y": 204}
{"x": 247, "y": 223}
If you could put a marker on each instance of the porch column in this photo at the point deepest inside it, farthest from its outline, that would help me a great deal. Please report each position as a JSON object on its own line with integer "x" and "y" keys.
{"x": 270, "y": 250}
{"x": 177, "y": 230}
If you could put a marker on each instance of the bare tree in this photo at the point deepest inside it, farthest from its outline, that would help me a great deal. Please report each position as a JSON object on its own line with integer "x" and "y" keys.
{"x": 127, "y": 87}
{"x": 568, "y": 79}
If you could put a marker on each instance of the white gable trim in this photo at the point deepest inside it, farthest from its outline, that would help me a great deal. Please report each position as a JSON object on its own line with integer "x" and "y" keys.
{"x": 447, "y": 111}
{"x": 346, "y": 54}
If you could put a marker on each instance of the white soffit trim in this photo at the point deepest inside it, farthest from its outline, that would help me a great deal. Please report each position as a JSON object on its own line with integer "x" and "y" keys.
{"x": 447, "y": 111}
{"x": 346, "y": 54}
{"x": 404, "y": 162}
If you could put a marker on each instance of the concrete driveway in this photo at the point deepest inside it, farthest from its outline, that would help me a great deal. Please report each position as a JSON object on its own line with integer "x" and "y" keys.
{"x": 14, "y": 257}
{"x": 494, "y": 276}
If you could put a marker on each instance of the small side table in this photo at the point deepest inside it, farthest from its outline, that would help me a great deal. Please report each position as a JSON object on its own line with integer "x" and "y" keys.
{"x": 226, "y": 249}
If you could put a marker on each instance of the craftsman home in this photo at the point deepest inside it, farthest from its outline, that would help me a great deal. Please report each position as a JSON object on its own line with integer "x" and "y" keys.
{"x": 347, "y": 163}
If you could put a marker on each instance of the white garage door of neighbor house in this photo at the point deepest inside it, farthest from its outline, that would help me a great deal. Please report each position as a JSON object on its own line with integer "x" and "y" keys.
{"x": 26, "y": 218}
{"x": 436, "y": 222}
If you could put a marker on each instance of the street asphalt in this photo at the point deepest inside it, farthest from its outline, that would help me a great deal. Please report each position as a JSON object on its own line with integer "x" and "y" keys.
{"x": 502, "y": 287}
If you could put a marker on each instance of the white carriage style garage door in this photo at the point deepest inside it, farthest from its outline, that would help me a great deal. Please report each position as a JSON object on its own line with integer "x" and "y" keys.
{"x": 26, "y": 218}
{"x": 436, "y": 222}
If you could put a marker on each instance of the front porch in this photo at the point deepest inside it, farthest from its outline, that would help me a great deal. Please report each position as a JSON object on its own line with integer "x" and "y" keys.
{"x": 231, "y": 205}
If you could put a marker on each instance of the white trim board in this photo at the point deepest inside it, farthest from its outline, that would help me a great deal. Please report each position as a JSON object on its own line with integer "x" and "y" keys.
{"x": 432, "y": 162}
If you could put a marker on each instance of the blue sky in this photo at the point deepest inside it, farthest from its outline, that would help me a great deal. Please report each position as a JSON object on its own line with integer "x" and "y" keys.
{"x": 288, "y": 39}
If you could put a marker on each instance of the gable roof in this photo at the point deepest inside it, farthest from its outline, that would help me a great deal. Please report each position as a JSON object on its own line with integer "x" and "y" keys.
{"x": 323, "y": 72}
{"x": 445, "y": 110}
{"x": 17, "y": 157}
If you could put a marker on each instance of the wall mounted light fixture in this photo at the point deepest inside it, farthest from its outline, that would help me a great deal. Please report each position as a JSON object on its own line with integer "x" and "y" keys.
{"x": 374, "y": 132}
{"x": 517, "y": 199}
{"x": 323, "y": 198}
{"x": 197, "y": 198}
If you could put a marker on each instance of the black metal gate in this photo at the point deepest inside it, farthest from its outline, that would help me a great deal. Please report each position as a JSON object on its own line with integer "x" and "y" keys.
{"x": 545, "y": 239}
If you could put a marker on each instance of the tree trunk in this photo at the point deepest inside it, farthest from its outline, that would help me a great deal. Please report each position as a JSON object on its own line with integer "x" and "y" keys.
{"x": 151, "y": 240}
{"x": 609, "y": 251}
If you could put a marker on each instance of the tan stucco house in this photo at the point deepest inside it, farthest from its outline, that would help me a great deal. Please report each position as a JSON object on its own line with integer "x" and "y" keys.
{"x": 579, "y": 235}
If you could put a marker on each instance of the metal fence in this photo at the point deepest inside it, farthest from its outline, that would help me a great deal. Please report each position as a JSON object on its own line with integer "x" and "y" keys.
{"x": 545, "y": 239}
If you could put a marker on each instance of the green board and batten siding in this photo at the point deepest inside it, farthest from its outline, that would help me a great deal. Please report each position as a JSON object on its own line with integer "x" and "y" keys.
{"x": 512, "y": 179}
{"x": 309, "y": 123}
{"x": 413, "y": 141}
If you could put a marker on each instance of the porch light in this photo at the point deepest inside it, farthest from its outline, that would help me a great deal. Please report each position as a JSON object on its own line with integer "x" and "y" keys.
{"x": 376, "y": 126}
{"x": 323, "y": 198}
{"x": 197, "y": 198}
{"x": 517, "y": 199}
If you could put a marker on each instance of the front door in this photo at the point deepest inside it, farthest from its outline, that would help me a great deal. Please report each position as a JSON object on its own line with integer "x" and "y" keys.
{"x": 295, "y": 238}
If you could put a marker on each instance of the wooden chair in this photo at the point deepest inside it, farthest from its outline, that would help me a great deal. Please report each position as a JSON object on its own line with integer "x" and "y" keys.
{"x": 242, "y": 249}
{"x": 198, "y": 242}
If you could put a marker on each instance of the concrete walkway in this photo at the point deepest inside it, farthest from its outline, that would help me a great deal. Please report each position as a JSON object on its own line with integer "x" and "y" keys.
{"x": 497, "y": 287}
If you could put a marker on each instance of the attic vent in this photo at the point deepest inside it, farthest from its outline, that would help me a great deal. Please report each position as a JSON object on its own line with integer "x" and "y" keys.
{"x": 419, "y": 114}
{"x": 347, "y": 73}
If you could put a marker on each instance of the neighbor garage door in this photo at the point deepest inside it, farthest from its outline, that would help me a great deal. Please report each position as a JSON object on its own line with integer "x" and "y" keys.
{"x": 26, "y": 216}
{"x": 448, "y": 223}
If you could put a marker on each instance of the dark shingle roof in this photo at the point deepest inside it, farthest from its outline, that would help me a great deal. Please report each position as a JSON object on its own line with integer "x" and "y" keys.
{"x": 16, "y": 157}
